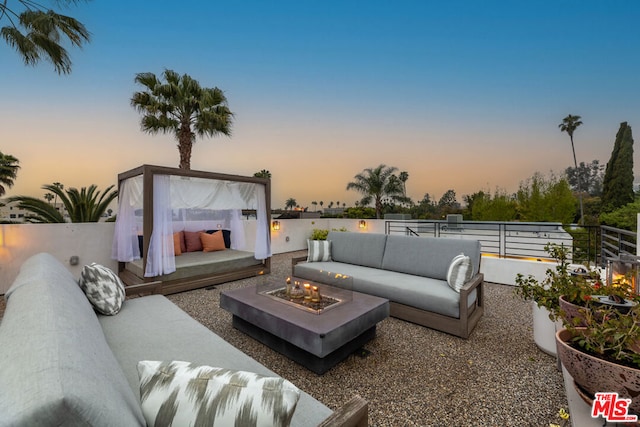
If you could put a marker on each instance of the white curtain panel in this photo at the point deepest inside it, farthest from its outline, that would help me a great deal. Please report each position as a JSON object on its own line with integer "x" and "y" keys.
{"x": 160, "y": 257}
{"x": 128, "y": 226}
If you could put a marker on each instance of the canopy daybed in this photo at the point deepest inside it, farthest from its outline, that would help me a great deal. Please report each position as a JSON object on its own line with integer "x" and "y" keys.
{"x": 166, "y": 215}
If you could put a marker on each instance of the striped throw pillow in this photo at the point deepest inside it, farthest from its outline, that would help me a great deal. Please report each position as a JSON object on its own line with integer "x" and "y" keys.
{"x": 319, "y": 250}
{"x": 184, "y": 394}
{"x": 460, "y": 271}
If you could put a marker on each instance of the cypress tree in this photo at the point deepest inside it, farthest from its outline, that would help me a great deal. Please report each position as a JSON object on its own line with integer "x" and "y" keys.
{"x": 617, "y": 186}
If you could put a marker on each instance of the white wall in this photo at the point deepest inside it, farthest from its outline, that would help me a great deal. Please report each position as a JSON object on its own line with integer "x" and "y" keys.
{"x": 90, "y": 242}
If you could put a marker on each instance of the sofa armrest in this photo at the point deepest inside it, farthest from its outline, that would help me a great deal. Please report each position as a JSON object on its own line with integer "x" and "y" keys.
{"x": 475, "y": 282}
{"x": 149, "y": 288}
{"x": 354, "y": 413}
{"x": 298, "y": 260}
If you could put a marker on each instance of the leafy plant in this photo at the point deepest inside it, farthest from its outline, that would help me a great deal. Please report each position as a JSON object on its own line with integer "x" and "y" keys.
{"x": 319, "y": 234}
{"x": 609, "y": 333}
{"x": 559, "y": 281}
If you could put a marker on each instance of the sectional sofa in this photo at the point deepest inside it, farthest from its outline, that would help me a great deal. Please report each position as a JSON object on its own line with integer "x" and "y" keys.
{"x": 63, "y": 364}
{"x": 414, "y": 273}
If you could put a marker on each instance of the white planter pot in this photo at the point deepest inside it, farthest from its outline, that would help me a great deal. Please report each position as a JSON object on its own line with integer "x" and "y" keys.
{"x": 544, "y": 329}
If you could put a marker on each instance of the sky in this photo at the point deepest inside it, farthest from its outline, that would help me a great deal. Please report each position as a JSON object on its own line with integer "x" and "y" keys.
{"x": 462, "y": 95}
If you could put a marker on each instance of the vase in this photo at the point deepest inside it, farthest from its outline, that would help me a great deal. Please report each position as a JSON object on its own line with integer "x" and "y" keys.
{"x": 592, "y": 374}
{"x": 544, "y": 329}
{"x": 572, "y": 311}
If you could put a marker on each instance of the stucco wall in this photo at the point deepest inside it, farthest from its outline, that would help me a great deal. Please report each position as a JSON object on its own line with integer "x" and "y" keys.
{"x": 90, "y": 242}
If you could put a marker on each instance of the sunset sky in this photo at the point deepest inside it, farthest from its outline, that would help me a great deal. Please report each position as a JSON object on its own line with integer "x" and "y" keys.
{"x": 462, "y": 95}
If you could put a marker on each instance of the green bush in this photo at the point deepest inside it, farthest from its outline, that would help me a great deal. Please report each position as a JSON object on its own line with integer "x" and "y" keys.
{"x": 319, "y": 234}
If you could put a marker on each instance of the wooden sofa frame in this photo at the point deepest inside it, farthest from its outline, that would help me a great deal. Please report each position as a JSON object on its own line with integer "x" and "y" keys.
{"x": 193, "y": 282}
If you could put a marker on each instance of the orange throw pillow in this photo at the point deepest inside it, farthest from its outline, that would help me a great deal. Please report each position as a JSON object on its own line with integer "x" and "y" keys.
{"x": 212, "y": 242}
{"x": 177, "y": 240}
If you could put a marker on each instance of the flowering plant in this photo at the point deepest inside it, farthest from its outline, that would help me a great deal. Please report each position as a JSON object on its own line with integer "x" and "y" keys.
{"x": 576, "y": 286}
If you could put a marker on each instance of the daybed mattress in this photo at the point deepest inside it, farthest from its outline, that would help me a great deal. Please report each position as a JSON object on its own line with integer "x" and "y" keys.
{"x": 192, "y": 264}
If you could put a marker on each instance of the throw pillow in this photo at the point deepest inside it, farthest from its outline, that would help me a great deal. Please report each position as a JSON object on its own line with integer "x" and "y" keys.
{"x": 212, "y": 242}
{"x": 182, "y": 394}
{"x": 319, "y": 250}
{"x": 177, "y": 243}
{"x": 226, "y": 234}
{"x": 192, "y": 241}
{"x": 459, "y": 272}
{"x": 103, "y": 288}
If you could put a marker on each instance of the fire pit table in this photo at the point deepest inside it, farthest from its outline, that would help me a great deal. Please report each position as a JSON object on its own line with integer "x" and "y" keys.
{"x": 316, "y": 336}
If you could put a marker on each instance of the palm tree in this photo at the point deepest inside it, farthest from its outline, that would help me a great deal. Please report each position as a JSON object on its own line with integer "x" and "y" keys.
{"x": 36, "y": 33}
{"x": 569, "y": 125}
{"x": 9, "y": 166}
{"x": 263, "y": 174}
{"x": 290, "y": 203}
{"x": 182, "y": 107}
{"x": 404, "y": 176}
{"x": 321, "y": 203}
{"x": 376, "y": 184}
{"x": 48, "y": 197}
{"x": 315, "y": 206}
{"x": 85, "y": 205}
{"x": 60, "y": 186}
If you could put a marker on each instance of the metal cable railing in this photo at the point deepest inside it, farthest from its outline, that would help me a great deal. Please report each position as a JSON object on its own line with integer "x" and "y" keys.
{"x": 510, "y": 239}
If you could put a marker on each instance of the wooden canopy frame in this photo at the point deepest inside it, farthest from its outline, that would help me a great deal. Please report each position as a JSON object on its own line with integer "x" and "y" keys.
{"x": 189, "y": 283}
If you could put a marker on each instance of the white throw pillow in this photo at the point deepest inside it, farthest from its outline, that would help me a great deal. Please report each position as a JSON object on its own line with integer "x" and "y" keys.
{"x": 184, "y": 394}
{"x": 103, "y": 288}
{"x": 459, "y": 272}
{"x": 319, "y": 250}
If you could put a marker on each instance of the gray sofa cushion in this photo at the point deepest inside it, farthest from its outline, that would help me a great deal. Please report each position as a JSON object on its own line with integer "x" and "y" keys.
{"x": 134, "y": 336}
{"x": 427, "y": 256}
{"x": 357, "y": 248}
{"x": 420, "y": 292}
{"x": 57, "y": 368}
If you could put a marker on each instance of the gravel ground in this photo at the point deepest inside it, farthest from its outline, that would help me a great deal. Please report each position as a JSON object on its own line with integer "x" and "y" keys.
{"x": 415, "y": 376}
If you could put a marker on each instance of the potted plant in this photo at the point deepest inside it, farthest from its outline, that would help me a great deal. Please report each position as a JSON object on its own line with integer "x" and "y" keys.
{"x": 603, "y": 354}
{"x": 545, "y": 295}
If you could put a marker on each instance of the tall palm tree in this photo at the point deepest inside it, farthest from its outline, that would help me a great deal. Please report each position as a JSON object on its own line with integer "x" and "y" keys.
{"x": 182, "y": 107}
{"x": 290, "y": 203}
{"x": 569, "y": 125}
{"x": 376, "y": 184}
{"x": 9, "y": 166}
{"x": 84, "y": 205}
{"x": 404, "y": 176}
{"x": 36, "y": 32}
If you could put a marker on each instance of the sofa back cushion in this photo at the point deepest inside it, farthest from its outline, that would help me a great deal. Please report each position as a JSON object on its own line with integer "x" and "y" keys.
{"x": 364, "y": 249}
{"x": 428, "y": 256}
{"x": 57, "y": 368}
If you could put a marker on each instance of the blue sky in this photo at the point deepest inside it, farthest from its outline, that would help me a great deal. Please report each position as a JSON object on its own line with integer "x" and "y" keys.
{"x": 462, "y": 95}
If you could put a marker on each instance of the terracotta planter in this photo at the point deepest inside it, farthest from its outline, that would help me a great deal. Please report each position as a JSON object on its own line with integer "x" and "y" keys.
{"x": 571, "y": 312}
{"x": 597, "y": 375}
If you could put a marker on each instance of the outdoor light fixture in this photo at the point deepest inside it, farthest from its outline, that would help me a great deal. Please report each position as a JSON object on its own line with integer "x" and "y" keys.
{"x": 624, "y": 270}
{"x": 362, "y": 223}
{"x": 275, "y": 225}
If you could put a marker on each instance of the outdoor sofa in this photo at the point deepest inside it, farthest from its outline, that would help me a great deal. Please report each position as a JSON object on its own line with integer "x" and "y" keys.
{"x": 413, "y": 273}
{"x": 63, "y": 364}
